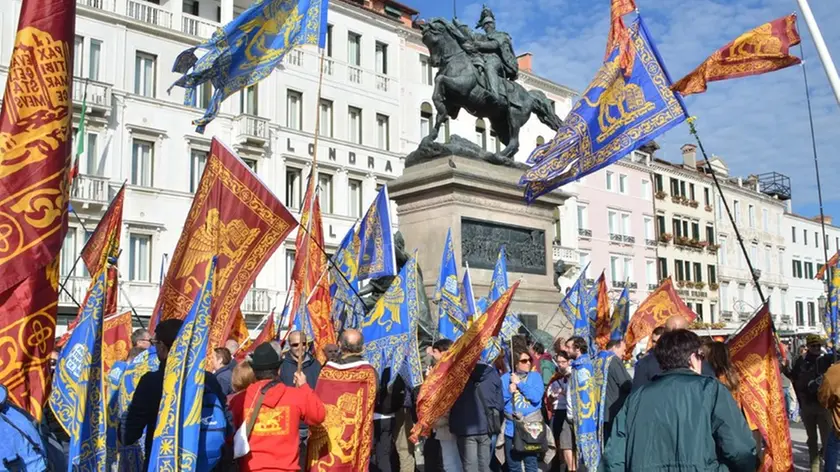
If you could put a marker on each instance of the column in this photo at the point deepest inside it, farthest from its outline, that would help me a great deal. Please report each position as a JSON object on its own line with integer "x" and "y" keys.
{"x": 227, "y": 11}
{"x": 177, "y": 9}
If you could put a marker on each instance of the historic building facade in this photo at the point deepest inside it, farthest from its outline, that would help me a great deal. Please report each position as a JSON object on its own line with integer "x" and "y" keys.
{"x": 372, "y": 112}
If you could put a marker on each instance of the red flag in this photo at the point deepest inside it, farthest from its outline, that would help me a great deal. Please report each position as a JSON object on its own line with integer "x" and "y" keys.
{"x": 602, "y": 319}
{"x": 116, "y": 339}
{"x": 654, "y": 312}
{"x": 754, "y": 355}
{"x": 233, "y": 216}
{"x": 319, "y": 315}
{"x": 238, "y": 332}
{"x": 619, "y": 36}
{"x": 268, "y": 334}
{"x": 761, "y": 50}
{"x": 34, "y": 159}
{"x": 448, "y": 378}
{"x": 105, "y": 240}
{"x": 310, "y": 261}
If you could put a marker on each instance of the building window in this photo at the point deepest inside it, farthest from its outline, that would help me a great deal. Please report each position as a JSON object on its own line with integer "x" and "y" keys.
{"x": 679, "y": 270}
{"x": 737, "y": 206}
{"x": 691, "y": 195}
{"x": 751, "y": 215}
{"x": 582, "y": 217}
{"x": 657, "y": 181}
{"x": 812, "y": 314}
{"x": 290, "y": 264}
{"x": 94, "y": 58}
{"x": 610, "y": 179}
{"x": 426, "y": 70}
{"x": 203, "y": 94}
{"x": 695, "y": 231}
{"x": 628, "y": 269}
{"x": 144, "y": 74}
{"x": 625, "y": 224}
{"x": 91, "y": 154}
{"x": 662, "y": 267}
{"x": 383, "y": 133}
{"x": 381, "y": 58}
{"x": 800, "y": 313}
{"x": 425, "y": 120}
{"x": 354, "y": 49}
{"x": 809, "y": 270}
{"x": 355, "y": 187}
{"x": 326, "y": 192}
{"x": 78, "y": 54}
{"x": 793, "y": 233}
{"x": 805, "y": 237}
{"x": 354, "y": 126}
{"x": 650, "y": 272}
{"x": 742, "y": 292}
{"x": 69, "y": 252}
{"x": 767, "y": 250}
{"x": 660, "y": 224}
{"x": 722, "y": 251}
{"x": 329, "y": 41}
{"x": 326, "y": 123}
{"x": 698, "y": 308}
{"x": 816, "y": 239}
{"x": 698, "y": 272}
{"x": 294, "y": 192}
{"x": 687, "y": 270}
{"x": 710, "y": 234}
{"x": 612, "y": 219}
{"x": 646, "y": 193}
{"x": 649, "y": 236}
{"x": 720, "y": 209}
{"x": 140, "y": 258}
{"x": 142, "y": 163}
{"x": 796, "y": 269}
{"x": 198, "y": 159}
{"x": 481, "y": 133}
{"x": 622, "y": 184}
{"x": 493, "y": 141}
{"x": 724, "y": 297}
{"x": 251, "y": 163}
{"x": 614, "y": 268}
{"x": 707, "y": 200}
{"x": 712, "y": 273}
{"x": 783, "y": 308}
{"x": 675, "y": 187}
{"x": 765, "y": 219}
{"x": 584, "y": 259}
{"x": 294, "y": 110}
{"x": 754, "y": 254}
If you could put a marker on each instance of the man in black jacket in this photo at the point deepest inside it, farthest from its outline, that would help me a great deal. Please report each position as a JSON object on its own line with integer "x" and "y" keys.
{"x": 648, "y": 367}
{"x": 470, "y": 418}
{"x": 310, "y": 367}
{"x": 618, "y": 384}
{"x": 142, "y": 414}
{"x": 806, "y": 376}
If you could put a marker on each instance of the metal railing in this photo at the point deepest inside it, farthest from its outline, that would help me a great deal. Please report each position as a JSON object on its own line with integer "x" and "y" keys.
{"x": 652, "y": 287}
{"x": 629, "y": 239}
{"x": 90, "y": 188}
{"x": 650, "y": 242}
{"x": 586, "y": 233}
{"x": 616, "y": 238}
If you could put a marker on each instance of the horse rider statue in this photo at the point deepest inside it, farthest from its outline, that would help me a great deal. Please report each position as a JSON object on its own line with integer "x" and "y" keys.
{"x": 493, "y": 54}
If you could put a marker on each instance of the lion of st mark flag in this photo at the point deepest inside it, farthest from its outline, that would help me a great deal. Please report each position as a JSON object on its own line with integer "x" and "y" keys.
{"x": 34, "y": 157}
{"x": 236, "y": 217}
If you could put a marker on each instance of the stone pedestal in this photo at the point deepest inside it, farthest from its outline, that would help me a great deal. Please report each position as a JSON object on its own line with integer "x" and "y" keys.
{"x": 483, "y": 205}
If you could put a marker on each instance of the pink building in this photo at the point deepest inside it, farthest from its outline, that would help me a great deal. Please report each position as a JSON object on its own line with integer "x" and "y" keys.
{"x": 615, "y": 221}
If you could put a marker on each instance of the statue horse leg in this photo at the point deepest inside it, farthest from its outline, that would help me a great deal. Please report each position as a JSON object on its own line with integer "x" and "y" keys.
{"x": 457, "y": 87}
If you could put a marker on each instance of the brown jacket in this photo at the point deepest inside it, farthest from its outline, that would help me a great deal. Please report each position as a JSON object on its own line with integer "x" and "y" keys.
{"x": 829, "y": 394}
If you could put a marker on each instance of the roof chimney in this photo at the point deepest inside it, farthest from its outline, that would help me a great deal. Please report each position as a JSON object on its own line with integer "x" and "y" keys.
{"x": 827, "y": 219}
{"x": 689, "y": 152}
{"x": 525, "y": 62}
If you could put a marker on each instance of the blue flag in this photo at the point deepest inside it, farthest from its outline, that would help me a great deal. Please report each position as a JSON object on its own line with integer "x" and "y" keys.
{"x": 571, "y": 301}
{"x": 346, "y": 309}
{"x": 468, "y": 304}
{"x": 390, "y": 330}
{"x": 176, "y": 441}
{"x": 80, "y": 389}
{"x": 451, "y": 321}
{"x": 376, "y": 240}
{"x": 834, "y": 308}
{"x": 614, "y": 116}
{"x": 131, "y": 456}
{"x": 499, "y": 283}
{"x": 249, "y": 48}
{"x": 620, "y": 317}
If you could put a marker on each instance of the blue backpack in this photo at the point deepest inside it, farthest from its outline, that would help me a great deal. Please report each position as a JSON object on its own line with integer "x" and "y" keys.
{"x": 22, "y": 448}
{"x": 215, "y": 429}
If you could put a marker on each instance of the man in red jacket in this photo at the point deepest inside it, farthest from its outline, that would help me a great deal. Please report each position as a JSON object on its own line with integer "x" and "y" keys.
{"x": 274, "y": 438}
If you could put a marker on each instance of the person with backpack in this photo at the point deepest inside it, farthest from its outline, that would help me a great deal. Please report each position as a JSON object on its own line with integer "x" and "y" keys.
{"x": 142, "y": 414}
{"x": 268, "y": 415}
{"x": 26, "y": 445}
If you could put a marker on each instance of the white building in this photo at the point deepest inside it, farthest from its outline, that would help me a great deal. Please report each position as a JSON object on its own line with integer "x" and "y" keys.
{"x": 372, "y": 114}
{"x": 805, "y": 256}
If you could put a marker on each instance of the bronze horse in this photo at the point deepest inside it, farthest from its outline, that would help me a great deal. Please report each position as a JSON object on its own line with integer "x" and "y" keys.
{"x": 458, "y": 84}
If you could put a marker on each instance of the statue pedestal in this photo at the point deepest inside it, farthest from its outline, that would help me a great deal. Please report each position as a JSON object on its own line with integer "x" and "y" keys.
{"x": 483, "y": 205}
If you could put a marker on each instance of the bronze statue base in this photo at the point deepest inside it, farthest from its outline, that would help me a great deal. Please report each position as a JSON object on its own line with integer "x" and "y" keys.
{"x": 429, "y": 150}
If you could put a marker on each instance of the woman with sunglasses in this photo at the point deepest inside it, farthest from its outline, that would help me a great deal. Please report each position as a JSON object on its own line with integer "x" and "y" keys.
{"x": 522, "y": 391}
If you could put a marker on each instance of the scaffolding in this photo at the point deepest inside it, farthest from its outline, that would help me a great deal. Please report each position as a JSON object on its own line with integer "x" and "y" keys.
{"x": 775, "y": 184}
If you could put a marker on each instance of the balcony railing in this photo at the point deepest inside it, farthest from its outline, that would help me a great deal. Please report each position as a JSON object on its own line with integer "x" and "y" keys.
{"x": 96, "y": 94}
{"x": 252, "y": 128}
{"x": 786, "y": 319}
{"x": 565, "y": 254}
{"x": 108, "y": 5}
{"x": 257, "y": 300}
{"x": 90, "y": 189}
{"x": 383, "y": 83}
{"x": 618, "y": 284}
{"x": 77, "y": 287}
{"x": 650, "y": 242}
{"x": 586, "y": 233}
{"x": 616, "y": 238}
{"x": 744, "y": 316}
{"x": 329, "y": 66}
{"x": 629, "y": 239}
{"x": 354, "y": 74}
{"x": 295, "y": 57}
{"x": 726, "y": 316}
{"x": 652, "y": 287}
{"x": 632, "y": 285}
{"x": 197, "y": 26}
{"x": 148, "y": 13}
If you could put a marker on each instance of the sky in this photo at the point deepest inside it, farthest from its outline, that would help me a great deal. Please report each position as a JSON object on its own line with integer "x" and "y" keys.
{"x": 755, "y": 124}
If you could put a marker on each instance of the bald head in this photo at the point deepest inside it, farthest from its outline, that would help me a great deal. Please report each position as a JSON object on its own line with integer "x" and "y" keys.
{"x": 297, "y": 344}
{"x": 676, "y": 322}
{"x": 232, "y": 346}
{"x": 352, "y": 343}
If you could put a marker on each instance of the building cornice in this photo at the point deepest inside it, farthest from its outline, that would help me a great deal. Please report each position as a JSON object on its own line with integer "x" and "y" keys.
{"x": 547, "y": 85}
{"x": 805, "y": 219}
{"x": 726, "y": 185}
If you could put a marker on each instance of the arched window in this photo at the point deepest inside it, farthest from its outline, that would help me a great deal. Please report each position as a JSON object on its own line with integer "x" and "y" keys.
{"x": 481, "y": 133}
{"x": 540, "y": 140}
{"x": 425, "y": 119}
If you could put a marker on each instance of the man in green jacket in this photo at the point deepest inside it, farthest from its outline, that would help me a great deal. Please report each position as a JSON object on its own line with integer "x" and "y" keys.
{"x": 681, "y": 420}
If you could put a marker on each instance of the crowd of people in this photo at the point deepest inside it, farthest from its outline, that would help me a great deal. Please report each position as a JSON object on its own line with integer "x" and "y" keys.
{"x": 680, "y": 408}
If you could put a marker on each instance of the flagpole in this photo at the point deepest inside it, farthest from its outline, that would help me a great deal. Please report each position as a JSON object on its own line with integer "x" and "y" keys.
{"x": 822, "y": 49}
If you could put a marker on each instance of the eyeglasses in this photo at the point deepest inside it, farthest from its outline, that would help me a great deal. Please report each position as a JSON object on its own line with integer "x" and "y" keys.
{"x": 524, "y": 361}
{"x": 147, "y": 340}
{"x": 294, "y": 344}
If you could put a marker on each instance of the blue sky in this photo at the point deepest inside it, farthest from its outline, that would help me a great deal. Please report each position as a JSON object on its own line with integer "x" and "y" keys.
{"x": 756, "y": 124}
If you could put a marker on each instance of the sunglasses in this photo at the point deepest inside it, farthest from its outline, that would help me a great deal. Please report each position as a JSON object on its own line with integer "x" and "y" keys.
{"x": 524, "y": 361}
{"x": 295, "y": 344}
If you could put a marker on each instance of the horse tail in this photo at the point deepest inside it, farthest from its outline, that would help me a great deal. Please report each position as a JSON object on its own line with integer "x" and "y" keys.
{"x": 544, "y": 110}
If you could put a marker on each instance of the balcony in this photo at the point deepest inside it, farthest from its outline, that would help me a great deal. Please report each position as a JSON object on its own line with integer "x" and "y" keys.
{"x": 383, "y": 83}
{"x": 198, "y": 26}
{"x": 629, "y": 239}
{"x": 148, "y": 13}
{"x": 727, "y": 316}
{"x": 354, "y": 74}
{"x": 77, "y": 288}
{"x": 329, "y": 66}
{"x": 584, "y": 233}
{"x": 252, "y": 130}
{"x": 96, "y": 94}
{"x": 632, "y": 285}
{"x": 652, "y": 287}
{"x": 565, "y": 254}
{"x": 295, "y": 58}
{"x": 90, "y": 189}
{"x": 650, "y": 242}
{"x": 616, "y": 238}
{"x": 744, "y": 316}
{"x": 257, "y": 300}
{"x": 786, "y": 319}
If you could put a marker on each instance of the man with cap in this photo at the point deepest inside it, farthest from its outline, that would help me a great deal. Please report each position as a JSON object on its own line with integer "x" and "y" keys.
{"x": 806, "y": 376}
{"x": 142, "y": 414}
{"x": 276, "y": 411}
